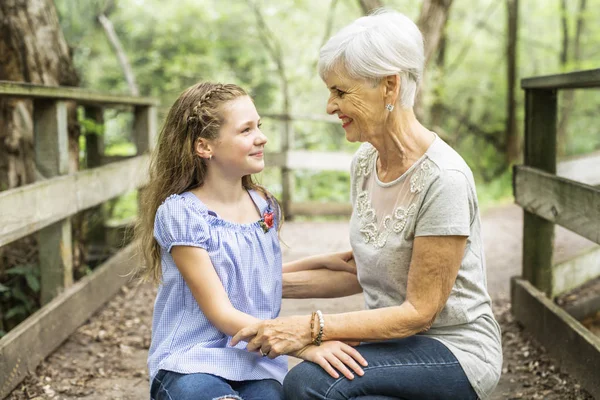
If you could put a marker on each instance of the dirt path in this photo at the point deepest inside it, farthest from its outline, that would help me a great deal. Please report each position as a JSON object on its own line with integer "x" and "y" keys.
{"x": 106, "y": 358}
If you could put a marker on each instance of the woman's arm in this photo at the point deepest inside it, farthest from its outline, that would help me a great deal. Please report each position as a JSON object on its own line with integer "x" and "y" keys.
{"x": 434, "y": 266}
{"x": 319, "y": 283}
{"x": 433, "y": 270}
{"x": 343, "y": 261}
{"x": 197, "y": 269}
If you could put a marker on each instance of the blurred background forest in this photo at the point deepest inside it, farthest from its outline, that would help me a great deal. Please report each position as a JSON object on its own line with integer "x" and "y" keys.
{"x": 271, "y": 48}
{"x": 479, "y": 51}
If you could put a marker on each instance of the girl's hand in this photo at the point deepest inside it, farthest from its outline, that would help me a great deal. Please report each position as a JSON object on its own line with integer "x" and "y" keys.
{"x": 334, "y": 355}
{"x": 275, "y": 337}
{"x": 343, "y": 261}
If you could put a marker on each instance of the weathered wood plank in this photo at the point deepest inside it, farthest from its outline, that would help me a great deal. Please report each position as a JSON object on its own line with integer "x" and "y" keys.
{"x": 576, "y": 348}
{"x": 315, "y": 209}
{"x": 570, "y": 204}
{"x": 81, "y": 96}
{"x": 52, "y": 159}
{"x": 319, "y": 161}
{"x": 312, "y": 160}
{"x": 540, "y": 152}
{"x": 576, "y": 271}
{"x": 30, "y": 208}
{"x": 24, "y": 347}
{"x": 571, "y": 80}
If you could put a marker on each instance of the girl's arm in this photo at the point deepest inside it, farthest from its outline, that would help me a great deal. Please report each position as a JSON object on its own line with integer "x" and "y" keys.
{"x": 197, "y": 269}
{"x": 433, "y": 271}
{"x": 343, "y": 261}
{"x": 319, "y": 283}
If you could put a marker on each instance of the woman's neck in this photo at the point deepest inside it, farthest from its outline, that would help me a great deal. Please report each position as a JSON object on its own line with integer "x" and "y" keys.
{"x": 402, "y": 141}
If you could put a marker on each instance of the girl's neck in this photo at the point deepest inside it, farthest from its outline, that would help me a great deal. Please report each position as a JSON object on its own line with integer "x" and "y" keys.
{"x": 226, "y": 192}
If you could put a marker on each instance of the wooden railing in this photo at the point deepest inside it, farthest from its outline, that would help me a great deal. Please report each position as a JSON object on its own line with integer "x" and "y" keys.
{"x": 45, "y": 208}
{"x": 549, "y": 200}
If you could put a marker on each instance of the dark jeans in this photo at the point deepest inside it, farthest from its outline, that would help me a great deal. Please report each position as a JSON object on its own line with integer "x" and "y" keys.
{"x": 414, "y": 368}
{"x": 168, "y": 385}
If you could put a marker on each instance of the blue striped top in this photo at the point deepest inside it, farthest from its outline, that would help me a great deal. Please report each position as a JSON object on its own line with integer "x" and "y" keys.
{"x": 248, "y": 263}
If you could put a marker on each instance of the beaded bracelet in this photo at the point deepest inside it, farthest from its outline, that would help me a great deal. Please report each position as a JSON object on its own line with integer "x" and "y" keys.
{"x": 319, "y": 339}
{"x": 312, "y": 326}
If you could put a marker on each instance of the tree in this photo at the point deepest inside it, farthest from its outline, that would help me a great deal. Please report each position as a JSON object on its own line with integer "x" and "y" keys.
{"x": 369, "y": 5}
{"x": 512, "y": 143}
{"x": 432, "y": 23}
{"x": 568, "y": 58}
{"x": 32, "y": 49}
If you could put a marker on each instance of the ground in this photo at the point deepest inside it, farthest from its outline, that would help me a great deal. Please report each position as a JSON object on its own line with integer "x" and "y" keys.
{"x": 106, "y": 357}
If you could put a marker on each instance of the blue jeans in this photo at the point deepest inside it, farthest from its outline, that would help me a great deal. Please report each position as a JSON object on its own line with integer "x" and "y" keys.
{"x": 168, "y": 385}
{"x": 413, "y": 368}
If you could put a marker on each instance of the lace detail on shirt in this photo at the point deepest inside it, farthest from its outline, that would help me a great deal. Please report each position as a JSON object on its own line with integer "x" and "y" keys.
{"x": 420, "y": 177}
{"x": 364, "y": 162}
{"x": 391, "y": 223}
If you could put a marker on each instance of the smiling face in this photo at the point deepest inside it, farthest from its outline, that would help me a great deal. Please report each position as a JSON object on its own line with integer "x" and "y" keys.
{"x": 238, "y": 150}
{"x": 359, "y": 104}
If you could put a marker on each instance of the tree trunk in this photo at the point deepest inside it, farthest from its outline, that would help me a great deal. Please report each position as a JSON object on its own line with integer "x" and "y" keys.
{"x": 568, "y": 96}
{"x": 370, "y": 5}
{"x": 512, "y": 143}
{"x": 432, "y": 23}
{"x": 32, "y": 49}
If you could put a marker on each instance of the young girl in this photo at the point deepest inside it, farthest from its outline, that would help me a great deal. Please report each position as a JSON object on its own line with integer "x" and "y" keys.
{"x": 210, "y": 238}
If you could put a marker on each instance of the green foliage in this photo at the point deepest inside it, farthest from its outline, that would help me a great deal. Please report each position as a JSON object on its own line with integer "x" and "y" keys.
{"x": 19, "y": 292}
{"x": 173, "y": 46}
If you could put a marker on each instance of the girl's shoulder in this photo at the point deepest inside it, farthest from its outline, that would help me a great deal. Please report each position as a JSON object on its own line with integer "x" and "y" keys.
{"x": 185, "y": 205}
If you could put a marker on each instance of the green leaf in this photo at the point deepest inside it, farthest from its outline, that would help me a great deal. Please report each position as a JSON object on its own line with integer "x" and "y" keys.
{"x": 33, "y": 282}
{"x": 19, "y": 310}
{"x": 4, "y": 288}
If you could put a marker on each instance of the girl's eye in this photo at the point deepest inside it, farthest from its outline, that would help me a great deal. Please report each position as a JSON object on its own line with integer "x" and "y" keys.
{"x": 260, "y": 124}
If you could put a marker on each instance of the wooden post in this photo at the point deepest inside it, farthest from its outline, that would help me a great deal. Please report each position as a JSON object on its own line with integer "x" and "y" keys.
{"x": 52, "y": 159}
{"x": 287, "y": 175}
{"x": 540, "y": 152}
{"x": 145, "y": 135}
{"x": 144, "y": 127}
{"x": 94, "y": 151}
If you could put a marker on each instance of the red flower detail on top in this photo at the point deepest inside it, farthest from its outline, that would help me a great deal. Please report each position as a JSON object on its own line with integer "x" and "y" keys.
{"x": 267, "y": 221}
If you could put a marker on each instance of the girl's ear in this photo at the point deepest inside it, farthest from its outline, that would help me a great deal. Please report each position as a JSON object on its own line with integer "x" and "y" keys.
{"x": 391, "y": 88}
{"x": 202, "y": 148}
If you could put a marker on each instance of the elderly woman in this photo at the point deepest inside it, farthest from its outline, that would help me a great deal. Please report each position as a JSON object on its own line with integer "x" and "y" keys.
{"x": 428, "y": 331}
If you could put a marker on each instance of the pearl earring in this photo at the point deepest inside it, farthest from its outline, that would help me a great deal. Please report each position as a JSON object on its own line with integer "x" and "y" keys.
{"x": 389, "y": 107}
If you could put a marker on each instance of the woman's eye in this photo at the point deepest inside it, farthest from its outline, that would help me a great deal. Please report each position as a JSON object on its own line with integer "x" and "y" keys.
{"x": 340, "y": 93}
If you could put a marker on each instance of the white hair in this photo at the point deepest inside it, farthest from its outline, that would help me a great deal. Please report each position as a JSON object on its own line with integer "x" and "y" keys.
{"x": 375, "y": 46}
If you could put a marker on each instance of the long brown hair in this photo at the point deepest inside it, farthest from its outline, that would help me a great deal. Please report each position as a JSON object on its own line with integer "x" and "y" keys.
{"x": 175, "y": 168}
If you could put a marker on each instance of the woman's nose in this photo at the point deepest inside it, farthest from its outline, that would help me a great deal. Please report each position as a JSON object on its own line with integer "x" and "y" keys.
{"x": 331, "y": 106}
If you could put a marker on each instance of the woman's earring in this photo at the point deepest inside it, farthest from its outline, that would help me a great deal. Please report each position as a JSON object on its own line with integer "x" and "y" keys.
{"x": 389, "y": 107}
{"x": 210, "y": 157}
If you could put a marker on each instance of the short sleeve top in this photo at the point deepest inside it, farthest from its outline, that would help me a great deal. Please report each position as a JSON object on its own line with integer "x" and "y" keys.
{"x": 434, "y": 197}
{"x": 247, "y": 260}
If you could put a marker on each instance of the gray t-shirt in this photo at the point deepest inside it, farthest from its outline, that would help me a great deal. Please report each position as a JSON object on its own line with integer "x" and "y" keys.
{"x": 435, "y": 197}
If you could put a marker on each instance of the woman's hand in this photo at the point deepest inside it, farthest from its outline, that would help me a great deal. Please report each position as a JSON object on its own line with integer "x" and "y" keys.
{"x": 275, "y": 337}
{"x": 334, "y": 355}
{"x": 343, "y": 261}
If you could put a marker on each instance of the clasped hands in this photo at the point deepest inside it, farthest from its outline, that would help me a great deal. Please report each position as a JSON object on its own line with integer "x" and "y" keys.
{"x": 291, "y": 335}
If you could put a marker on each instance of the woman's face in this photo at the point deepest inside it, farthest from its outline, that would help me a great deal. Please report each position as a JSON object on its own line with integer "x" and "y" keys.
{"x": 359, "y": 104}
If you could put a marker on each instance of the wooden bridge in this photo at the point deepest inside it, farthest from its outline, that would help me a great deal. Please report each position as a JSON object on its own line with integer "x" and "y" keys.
{"x": 45, "y": 208}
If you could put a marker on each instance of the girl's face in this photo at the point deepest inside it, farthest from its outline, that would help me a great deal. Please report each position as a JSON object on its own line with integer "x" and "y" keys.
{"x": 239, "y": 149}
{"x": 359, "y": 105}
